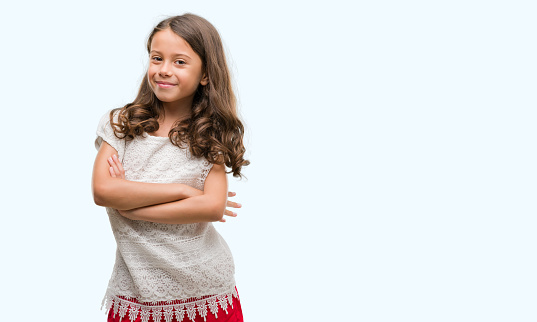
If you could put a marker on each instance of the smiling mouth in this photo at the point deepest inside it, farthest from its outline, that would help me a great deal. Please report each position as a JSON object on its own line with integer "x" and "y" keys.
{"x": 165, "y": 84}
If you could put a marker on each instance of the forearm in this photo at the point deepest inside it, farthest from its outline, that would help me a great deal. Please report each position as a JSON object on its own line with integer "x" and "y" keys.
{"x": 110, "y": 189}
{"x": 122, "y": 194}
{"x": 192, "y": 210}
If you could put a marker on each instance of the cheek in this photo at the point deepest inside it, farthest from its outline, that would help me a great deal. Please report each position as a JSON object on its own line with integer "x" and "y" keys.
{"x": 150, "y": 73}
{"x": 193, "y": 79}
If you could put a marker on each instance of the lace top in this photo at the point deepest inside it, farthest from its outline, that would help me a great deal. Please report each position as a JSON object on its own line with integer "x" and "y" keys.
{"x": 165, "y": 269}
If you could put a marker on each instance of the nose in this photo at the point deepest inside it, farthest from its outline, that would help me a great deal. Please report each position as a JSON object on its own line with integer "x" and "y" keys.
{"x": 165, "y": 69}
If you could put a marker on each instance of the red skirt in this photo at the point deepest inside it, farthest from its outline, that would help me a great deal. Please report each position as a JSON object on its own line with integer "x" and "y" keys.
{"x": 233, "y": 314}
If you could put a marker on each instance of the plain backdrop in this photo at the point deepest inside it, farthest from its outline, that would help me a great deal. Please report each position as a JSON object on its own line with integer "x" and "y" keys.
{"x": 392, "y": 149}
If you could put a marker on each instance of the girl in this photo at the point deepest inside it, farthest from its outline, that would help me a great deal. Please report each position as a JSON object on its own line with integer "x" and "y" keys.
{"x": 160, "y": 172}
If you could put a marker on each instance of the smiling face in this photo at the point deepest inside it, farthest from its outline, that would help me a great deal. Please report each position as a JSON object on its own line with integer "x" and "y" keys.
{"x": 175, "y": 70}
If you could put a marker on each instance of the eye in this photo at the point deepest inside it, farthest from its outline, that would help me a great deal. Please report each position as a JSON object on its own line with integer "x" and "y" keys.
{"x": 180, "y": 62}
{"x": 156, "y": 58}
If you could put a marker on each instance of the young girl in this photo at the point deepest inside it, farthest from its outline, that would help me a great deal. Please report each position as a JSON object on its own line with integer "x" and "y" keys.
{"x": 161, "y": 174}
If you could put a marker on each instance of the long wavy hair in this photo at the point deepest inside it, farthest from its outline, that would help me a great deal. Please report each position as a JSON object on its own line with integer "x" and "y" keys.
{"x": 213, "y": 130}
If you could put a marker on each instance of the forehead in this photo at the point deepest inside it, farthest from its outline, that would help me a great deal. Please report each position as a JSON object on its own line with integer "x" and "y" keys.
{"x": 167, "y": 42}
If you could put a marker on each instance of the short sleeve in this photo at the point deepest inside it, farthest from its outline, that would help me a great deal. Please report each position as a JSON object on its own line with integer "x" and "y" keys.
{"x": 106, "y": 133}
{"x": 206, "y": 167}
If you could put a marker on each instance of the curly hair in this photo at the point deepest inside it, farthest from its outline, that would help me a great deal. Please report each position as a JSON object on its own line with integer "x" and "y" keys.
{"x": 213, "y": 130}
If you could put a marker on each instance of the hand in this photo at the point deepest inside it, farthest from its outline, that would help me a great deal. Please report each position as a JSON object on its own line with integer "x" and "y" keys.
{"x": 231, "y": 204}
{"x": 116, "y": 168}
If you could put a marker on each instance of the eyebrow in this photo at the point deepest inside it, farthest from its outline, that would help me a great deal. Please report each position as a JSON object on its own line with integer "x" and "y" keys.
{"x": 158, "y": 52}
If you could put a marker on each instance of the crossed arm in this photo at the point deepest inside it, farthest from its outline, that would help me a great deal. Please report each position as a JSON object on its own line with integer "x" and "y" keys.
{"x": 171, "y": 203}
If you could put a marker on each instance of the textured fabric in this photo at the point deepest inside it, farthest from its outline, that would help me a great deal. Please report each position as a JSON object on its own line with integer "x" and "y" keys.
{"x": 232, "y": 313}
{"x": 163, "y": 262}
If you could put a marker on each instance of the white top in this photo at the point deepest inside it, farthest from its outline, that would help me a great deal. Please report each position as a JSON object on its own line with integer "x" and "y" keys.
{"x": 189, "y": 264}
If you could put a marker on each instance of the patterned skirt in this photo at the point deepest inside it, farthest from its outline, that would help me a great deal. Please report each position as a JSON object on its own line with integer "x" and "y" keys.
{"x": 231, "y": 313}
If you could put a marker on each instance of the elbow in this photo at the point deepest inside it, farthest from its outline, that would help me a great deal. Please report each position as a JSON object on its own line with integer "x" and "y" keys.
{"x": 217, "y": 212}
{"x": 99, "y": 195}
{"x": 217, "y": 217}
{"x": 99, "y": 200}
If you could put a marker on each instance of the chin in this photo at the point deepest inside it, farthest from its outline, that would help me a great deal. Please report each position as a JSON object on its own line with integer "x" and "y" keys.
{"x": 165, "y": 98}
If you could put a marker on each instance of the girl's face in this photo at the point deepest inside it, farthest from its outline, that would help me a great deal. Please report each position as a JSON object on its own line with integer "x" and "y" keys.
{"x": 175, "y": 70}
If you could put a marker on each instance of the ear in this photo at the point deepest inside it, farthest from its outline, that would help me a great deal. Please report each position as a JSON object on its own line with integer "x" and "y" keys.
{"x": 204, "y": 79}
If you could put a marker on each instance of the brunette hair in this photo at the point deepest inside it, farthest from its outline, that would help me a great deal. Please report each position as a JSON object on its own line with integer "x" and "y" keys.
{"x": 213, "y": 129}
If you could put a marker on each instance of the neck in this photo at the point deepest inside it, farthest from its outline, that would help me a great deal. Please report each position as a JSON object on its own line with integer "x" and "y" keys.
{"x": 174, "y": 111}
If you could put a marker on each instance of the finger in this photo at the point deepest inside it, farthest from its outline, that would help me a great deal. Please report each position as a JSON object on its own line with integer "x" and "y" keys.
{"x": 233, "y": 204}
{"x": 120, "y": 170}
{"x": 112, "y": 172}
{"x": 113, "y": 165}
{"x": 230, "y": 213}
{"x": 118, "y": 163}
{"x": 222, "y": 220}
{"x": 231, "y": 194}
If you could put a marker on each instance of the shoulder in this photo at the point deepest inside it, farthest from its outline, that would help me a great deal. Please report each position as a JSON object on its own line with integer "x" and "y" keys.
{"x": 105, "y": 131}
{"x": 217, "y": 167}
{"x": 216, "y": 179}
{"x": 105, "y": 118}
{"x": 105, "y": 124}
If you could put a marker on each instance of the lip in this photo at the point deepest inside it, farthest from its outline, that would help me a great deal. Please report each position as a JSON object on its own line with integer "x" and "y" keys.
{"x": 165, "y": 84}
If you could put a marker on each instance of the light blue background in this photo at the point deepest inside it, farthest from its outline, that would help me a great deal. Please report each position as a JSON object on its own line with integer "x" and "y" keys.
{"x": 392, "y": 149}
